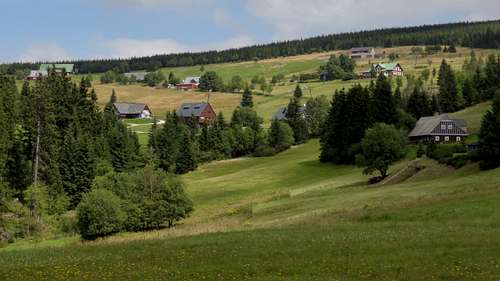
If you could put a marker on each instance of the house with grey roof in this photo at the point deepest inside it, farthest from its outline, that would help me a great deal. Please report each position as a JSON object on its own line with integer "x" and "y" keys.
{"x": 439, "y": 129}
{"x": 132, "y": 110}
{"x": 280, "y": 114}
{"x": 362, "y": 53}
{"x": 138, "y": 76}
{"x": 58, "y": 67}
{"x": 201, "y": 112}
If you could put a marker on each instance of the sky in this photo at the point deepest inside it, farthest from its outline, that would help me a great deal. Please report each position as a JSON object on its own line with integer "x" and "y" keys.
{"x": 34, "y": 30}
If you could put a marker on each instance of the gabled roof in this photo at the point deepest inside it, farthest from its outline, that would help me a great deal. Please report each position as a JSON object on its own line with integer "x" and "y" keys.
{"x": 388, "y": 66}
{"x": 192, "y": 109}
{"x": 190, "y": 80}
{"x": 362, "y": 49}
{"x": 130, "y": 108}
{"x": 68, "y": 67}
{"x": 428, "y": 126}
{"x": 138, "y": 75}
{"x": 281, "y": 113}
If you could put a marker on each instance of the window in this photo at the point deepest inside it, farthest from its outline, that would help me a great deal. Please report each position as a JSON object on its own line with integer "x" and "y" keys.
{"x": 459, "y": 139}
{"x": 450, "y": 126}
{"x": 446, "y": 138}
{"x": 436, "y": 138}
{"x": 443, "y": 126}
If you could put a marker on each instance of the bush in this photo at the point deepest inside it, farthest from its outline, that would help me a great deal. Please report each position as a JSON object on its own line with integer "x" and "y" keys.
{"x": 264, "y": 151}
{"x": 99, "y": 214}
{"x": 68, "y": 223}
{"x": 441, "y": 151}
{"x": 457, "y": 161}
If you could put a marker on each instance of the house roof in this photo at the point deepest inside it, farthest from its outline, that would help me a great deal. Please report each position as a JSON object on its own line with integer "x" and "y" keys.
{"x": 189, "y": 80}
{"x": 388, "y": 66}
{"x": 192, "y": 109}
{"x": 362, "y": 49}
{"x": 68, "y": 67}
{"x": 281, "y": 113}
{"x": 138, "y": 75}
{"x": 428, "y": 126}
{"x": 130, "y": 108}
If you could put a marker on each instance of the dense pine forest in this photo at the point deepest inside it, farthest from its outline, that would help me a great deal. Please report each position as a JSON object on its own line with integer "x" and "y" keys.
{"x": 467, "y": 34}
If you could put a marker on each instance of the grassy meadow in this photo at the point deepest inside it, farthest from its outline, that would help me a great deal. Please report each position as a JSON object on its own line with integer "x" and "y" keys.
{"x": 289, "y": 217}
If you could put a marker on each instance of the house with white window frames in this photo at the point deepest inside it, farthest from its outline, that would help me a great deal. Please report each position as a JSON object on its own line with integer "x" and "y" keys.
{"x": 439, "y": 129}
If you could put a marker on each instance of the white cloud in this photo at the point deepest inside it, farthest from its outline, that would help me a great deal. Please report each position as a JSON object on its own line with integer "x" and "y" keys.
{"x": 126, "y": 47}
{"x": 300, "y": 18}
{"x": 44, "y": 51}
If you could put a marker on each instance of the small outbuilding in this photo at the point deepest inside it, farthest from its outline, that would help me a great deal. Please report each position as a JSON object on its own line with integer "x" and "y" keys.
{"x": 132, "y": 110}
{"x": 439, "y": 129}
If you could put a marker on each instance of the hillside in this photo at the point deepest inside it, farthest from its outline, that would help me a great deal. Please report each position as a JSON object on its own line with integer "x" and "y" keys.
{"x": 162, "y": 100}
{"x": 258, "y": 207}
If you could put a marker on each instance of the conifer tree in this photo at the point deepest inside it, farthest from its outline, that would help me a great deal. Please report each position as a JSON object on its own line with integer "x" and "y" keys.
{"x": 296, "y": 119}
{"x": 246, "y": 99}
{"x": 489, "y": 137}
{"x": 418, "y": 104}
{"x": 186, "y": 158}
{"x": 383, "y": 105}
{"x": 297, "y": 93}
{"x": 448, "y": 93}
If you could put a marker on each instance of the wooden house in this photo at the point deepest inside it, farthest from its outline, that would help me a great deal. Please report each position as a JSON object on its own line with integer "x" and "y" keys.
{"x": 202, "y": 112}
{"x": 439, "y": 129}
{"x": 132, "y": 110}
{"x": 190, "y": 83}
{"x": 362, "y": 53}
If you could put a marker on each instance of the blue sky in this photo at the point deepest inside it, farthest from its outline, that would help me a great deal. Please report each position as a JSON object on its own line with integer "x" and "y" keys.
{"x": 33, "y": 30}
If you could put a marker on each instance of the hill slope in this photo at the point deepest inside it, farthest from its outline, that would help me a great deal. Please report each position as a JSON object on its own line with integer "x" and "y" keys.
{"x": 289, "y": 217}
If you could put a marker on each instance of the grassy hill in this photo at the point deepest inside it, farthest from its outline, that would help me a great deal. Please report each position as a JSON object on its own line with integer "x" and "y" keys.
{"x": 289, "y": 217}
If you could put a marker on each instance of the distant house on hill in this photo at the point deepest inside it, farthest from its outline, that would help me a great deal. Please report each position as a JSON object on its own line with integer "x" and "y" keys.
{"x": 280, "y": 114}
{"x": 190, "y": 83}
{"x": 439, "y": 129}
{"x": 58, "y": 67}
{"x": 132, "y": 110}
{"x": 139, "y": 76}
{"x": 363, "y": 52}
{"x": 388, "y": 69}
{"x": 202, "y": 112}
{"x": 36, "y": 74}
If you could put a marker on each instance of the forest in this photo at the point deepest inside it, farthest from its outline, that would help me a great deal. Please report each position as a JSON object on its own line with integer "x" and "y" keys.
{"x": 467, "y": 34}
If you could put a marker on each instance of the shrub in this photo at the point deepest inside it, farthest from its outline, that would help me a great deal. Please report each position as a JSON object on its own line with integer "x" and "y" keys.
{"x": 441, "y": 151}
{"x": 456, "y": 161}
{"x": 264, "y": 151}
{"x": 99, "y": 214}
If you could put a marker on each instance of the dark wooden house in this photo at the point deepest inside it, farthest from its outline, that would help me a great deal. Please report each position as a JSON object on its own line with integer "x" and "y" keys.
{"x": 202, "y": 112}
{"x": 439, "y": 129}
{"x": 132, "y": 110}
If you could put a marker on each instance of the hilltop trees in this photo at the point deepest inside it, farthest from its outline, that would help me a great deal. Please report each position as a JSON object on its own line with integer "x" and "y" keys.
{"x": 489, "y": 137}
{"x": 341, "y": 67}
{"x": 210, "y": 81}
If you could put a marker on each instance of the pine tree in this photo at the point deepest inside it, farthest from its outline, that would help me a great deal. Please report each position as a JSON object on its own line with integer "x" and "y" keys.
{"x": 280, "y": 135}
{"x": 296, "y": 119}
{"x": 489, "y": 137}
{"x": 469, "y": 93}
{"x": 383, "y": 105}
{"x": 448, "y": 93}
{"x": 186, "y": 159}
{"x": 418, "y": 103}
{"x": 168, "y": 143}
{"x": 297, "y": 93}
{"x": 246, "y": 100}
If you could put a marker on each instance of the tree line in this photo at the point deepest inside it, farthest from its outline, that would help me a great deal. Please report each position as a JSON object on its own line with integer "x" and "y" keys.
{"x": 484, "y": 34}
{"x": 57, "y": 145}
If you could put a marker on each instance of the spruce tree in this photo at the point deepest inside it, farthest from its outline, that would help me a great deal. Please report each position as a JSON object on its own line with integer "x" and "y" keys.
{"x": 448, "y": 93}
{"x": 186, "y": 158}
{"x": 489, "y": 137}
{"x": 418, "y": 103}
{"x": 383, "y": 105}
{"x": 296, "y": 119}
{"x": 246, "y": 99}
{"x": 168, "y": 143}
{"x": 297, "y": 93}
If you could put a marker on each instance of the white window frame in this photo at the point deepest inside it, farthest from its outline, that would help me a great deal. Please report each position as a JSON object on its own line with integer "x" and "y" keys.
{"x": 450, "y": 126}
{"x": 446, "y": 138}
{"x": 437, "y": 138}
{"x": 459, "y": 138}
